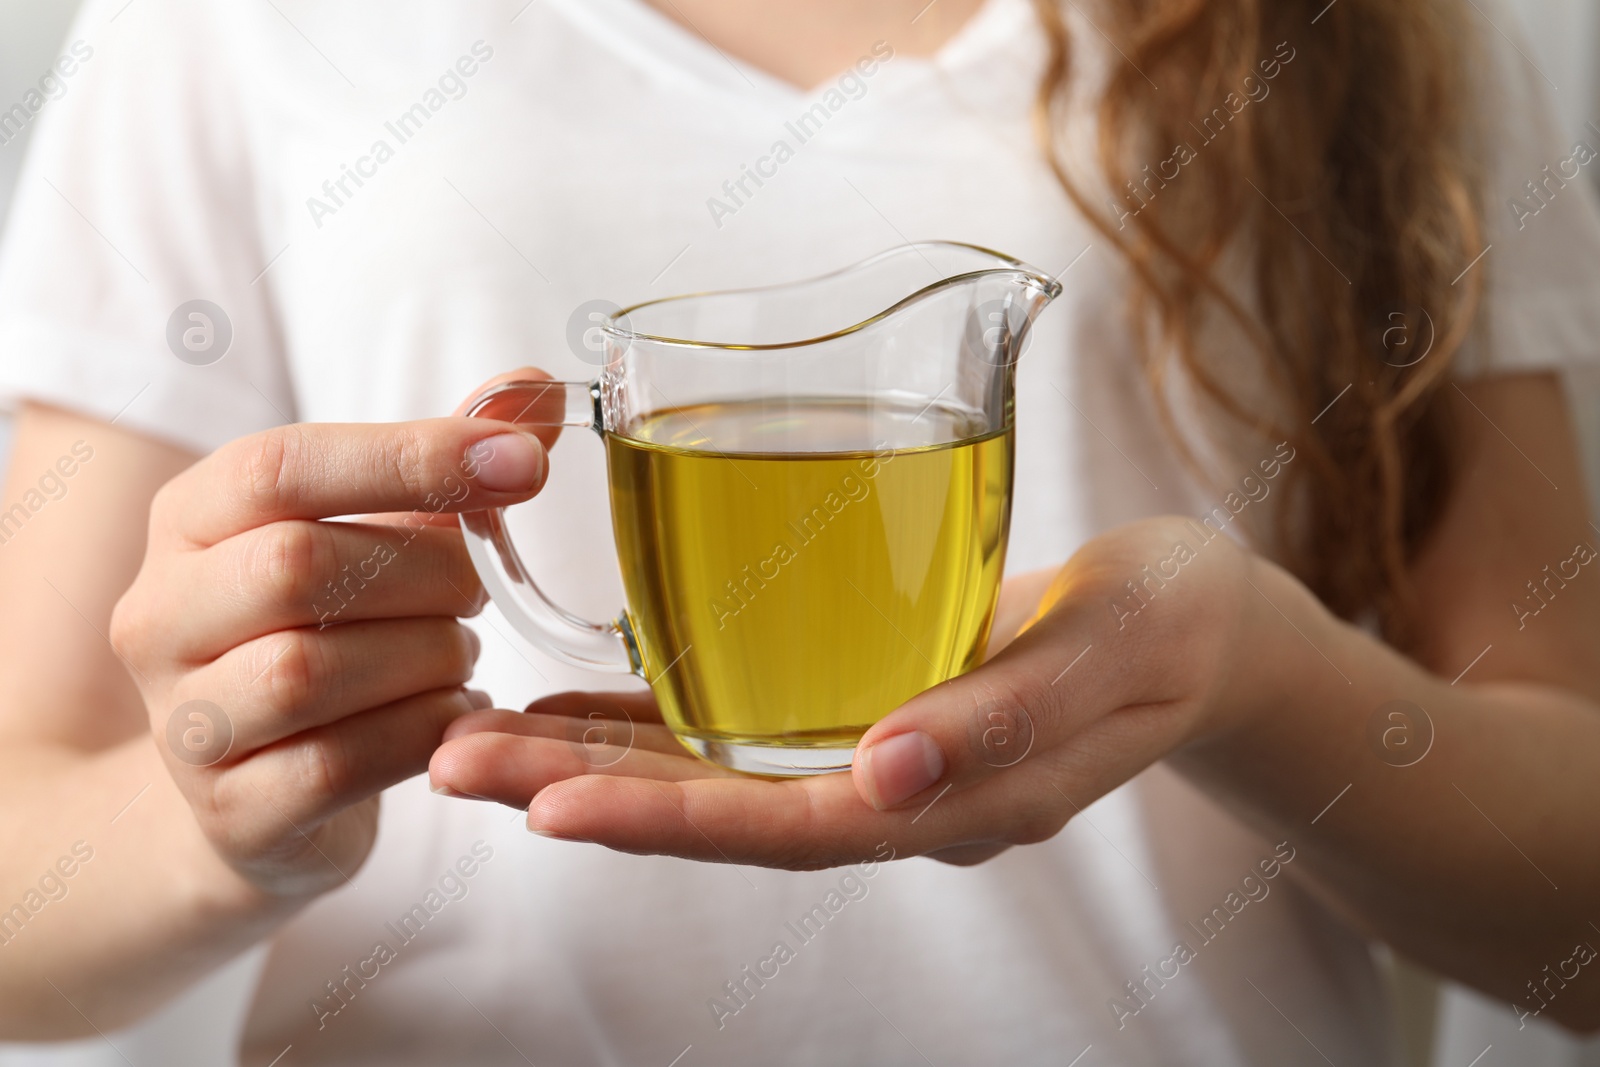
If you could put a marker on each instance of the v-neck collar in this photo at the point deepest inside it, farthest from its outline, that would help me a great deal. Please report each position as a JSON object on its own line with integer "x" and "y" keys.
{"x": 650, "y": 40}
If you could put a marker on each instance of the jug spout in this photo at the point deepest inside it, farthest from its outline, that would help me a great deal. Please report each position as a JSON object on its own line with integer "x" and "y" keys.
{"x": 1001, "y": 304}
{"x": 877, "y": 293}
{"x": 1001, "y": 295}
{"x": 926, "y": 335}
{"x": 945, "y": 292}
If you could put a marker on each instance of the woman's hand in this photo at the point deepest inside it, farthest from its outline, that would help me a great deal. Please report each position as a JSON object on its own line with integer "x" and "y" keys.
{"x": 1106, "y": 678}
{"x": 293, "y": 667}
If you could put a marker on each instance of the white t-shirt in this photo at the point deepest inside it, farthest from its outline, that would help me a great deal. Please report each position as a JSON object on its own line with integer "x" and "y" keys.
{"x": 538, "y": 157}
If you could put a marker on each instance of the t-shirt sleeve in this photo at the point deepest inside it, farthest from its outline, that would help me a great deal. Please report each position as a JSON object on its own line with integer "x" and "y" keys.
{"x": 133, "y": 282}
{"x": 1542, "y": 267}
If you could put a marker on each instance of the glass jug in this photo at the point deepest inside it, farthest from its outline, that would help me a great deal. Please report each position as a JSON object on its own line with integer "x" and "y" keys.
{"x": 810, "y": 488}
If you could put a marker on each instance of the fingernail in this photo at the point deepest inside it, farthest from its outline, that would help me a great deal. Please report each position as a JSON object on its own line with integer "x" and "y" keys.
{"x": 476, "y": 642}
{"x": 901, "y": 767}
{"x": 507, "y": 462}
{"x": 479, "y": 700}
{"x": 552, "y": 835}
{"x": 446, "y": 791}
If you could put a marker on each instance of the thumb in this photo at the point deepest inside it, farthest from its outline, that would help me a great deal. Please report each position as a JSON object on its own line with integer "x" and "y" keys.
{"x": 1032, "y": 695}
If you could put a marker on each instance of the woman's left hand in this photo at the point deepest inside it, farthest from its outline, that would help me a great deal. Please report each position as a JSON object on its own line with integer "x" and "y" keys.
{"x": 1137, "y": 649}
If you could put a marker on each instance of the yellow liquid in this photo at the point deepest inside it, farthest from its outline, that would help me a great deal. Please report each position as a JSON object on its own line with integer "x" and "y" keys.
{"x": 795, "y": 571}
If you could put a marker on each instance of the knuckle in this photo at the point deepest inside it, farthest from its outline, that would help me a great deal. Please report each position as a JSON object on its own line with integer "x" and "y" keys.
{"x": 284, "y": 560}
{"x": 456, "y": 568}
{"x": 797, "y": 857}
{"x": 229, "y": 815}
{"x": 210, "y": 808}
{"x": 1023, "y": 705}
{"x": 163, "y": 505}
{"x": 1039, "y": 824}
{"x": 1001, "y": 731}
{"x": 967, "y": 855}
{"x": 408, "y": 462}
{"x": 803, "y": 846}
{"x": 476, "y": 600}
{"x": 464, "y": 652}
{"x": 262, "y": 466}
{"x": 325, "y": 768}
{"x": 293, "y": 668}
{"x": 130, "y": 625}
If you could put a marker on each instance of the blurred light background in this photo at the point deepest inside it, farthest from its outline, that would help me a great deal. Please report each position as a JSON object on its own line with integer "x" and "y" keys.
{"x": 1464, "y": 1028}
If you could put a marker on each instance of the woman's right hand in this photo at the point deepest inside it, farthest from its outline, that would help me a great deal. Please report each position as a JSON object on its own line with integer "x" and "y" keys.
{"x": 328, "y": 654}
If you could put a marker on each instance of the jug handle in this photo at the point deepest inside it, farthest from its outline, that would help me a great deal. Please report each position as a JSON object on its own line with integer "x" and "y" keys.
{"x": 549, "y": 627}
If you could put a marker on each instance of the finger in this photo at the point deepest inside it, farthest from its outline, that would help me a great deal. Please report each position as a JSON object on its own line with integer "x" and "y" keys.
{"x": 511, "y": 769}
{"x": 619, "y": 730}
{"x": 1029, "y": 698}
{"x": 547, "y": 434}
{"x": 300, "y": 573}
{"x": 294, "y": 785}
{"x": 300, "y": 679}
{"x": 967, "y": 855}
{"x": 634, "y": 705}
{"x": 796, "y": 825}
{"x": 445, "y": 519}
{"x": 724, "y": 820}
{"x": 324, "y": 470}
{"x": 799, "y": 824}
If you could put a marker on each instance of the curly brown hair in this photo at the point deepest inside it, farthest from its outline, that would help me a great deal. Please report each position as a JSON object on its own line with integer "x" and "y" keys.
{"x": 1355, "y": 189}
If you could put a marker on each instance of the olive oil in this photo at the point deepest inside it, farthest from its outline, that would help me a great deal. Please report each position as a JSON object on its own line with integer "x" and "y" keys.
{"x": 795, "y": 571}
